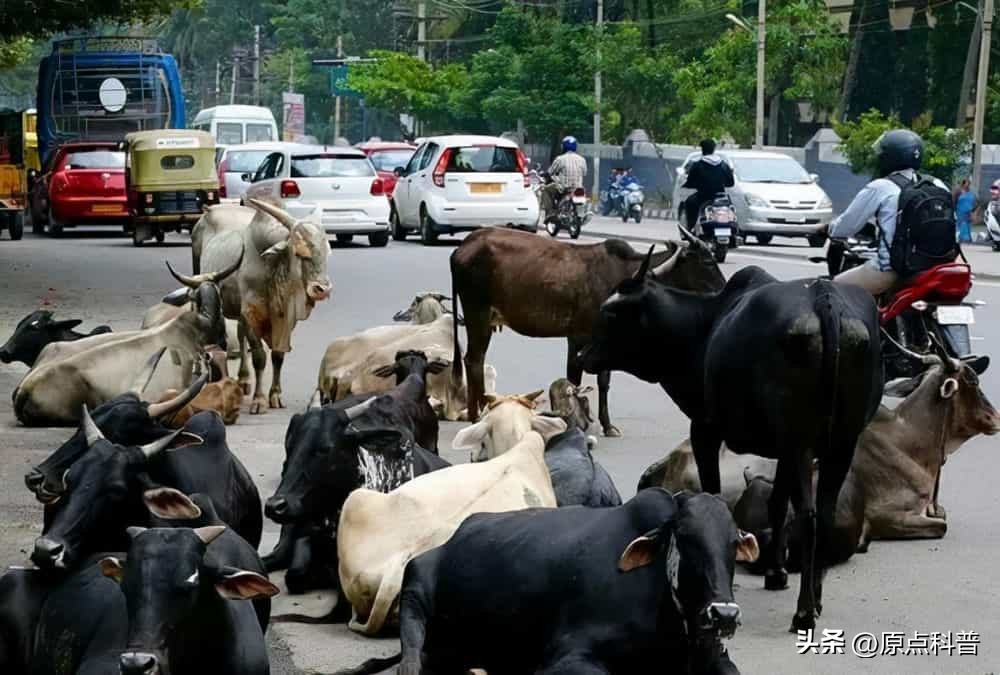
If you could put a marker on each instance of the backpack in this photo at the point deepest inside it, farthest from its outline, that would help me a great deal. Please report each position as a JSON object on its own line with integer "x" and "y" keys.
{"x": 925, "y": 226}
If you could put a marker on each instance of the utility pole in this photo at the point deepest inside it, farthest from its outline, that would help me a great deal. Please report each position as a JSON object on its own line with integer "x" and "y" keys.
{"x": 986, "y": 21}
{"x": 232, "y": 87}
{"x": 218, "y": 81}
{"x": 256, "y": 65}
{"x": 962, "y": 114}
{"x": 759, "y": 125}
{"x": 597, "y": 103}
{"x": 421, "y": 30}
{"x": 291, "y": 74}
{"x": 336, "y": 105}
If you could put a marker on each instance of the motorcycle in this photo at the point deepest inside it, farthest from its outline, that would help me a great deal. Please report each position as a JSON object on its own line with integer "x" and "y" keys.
{"x": 716, "y": 224}
{"x": 632, "y": 200}
{"x": 572, "y": 212}
{"x": 927, "y": 314}
{"x": 992, "y": 227}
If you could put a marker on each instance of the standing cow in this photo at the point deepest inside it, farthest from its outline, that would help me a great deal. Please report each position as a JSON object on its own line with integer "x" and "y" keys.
{"x": 282, "y": 276}
{"x": 549, "y": 288}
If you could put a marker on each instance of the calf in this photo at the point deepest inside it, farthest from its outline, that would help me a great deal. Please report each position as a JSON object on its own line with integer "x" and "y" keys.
{"x": 593, "y": 591}
{"x": 223, "y": 397}
{"x": 571, "y": 403}
{"x": 37, "y": 330}
{"x": 793, "y": 368}
{"x": 379, "y": 533}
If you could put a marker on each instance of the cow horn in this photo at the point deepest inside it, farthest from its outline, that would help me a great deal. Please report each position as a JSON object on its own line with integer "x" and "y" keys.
{"x": 209, "y": 533}
{"x": 160, "y": 444}
{"x": 359, "y": 409}
{"x": 644, "y": 268}
{"x": 282, "y": 216}
{"x": 143, "y": 377}
{"x": 667, "y": 265}
{"x": 926, "y": 359}
{"x": 687, "y": 234}
{"x": 216, "y": 277}
{"x": 953, "y": 365}
{"x": 90, "y": 429}
{"x": 191, "y": 282}
{"x": 179, "y": 401}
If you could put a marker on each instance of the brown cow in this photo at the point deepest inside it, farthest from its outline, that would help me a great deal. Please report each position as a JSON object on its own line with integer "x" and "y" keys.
{"x": 224, "y": 397}
{"x": 549, "y": 288}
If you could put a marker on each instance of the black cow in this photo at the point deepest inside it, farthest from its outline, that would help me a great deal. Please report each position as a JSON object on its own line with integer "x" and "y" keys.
{"x": 22, "y": 594}
{"x": 577, "y": 478}
{"x": 788, "y": 370}
{"x": 577, "y": 591}
{"x": 112, "y": 486}
{"x": 35, "y": 331}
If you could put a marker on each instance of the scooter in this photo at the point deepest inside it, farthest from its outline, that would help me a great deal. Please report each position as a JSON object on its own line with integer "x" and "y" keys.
{"x": 572, "y": 212}
{"x": 992, "y": 226}
{"x": 632, "y": 199}
{"x": 716, "y": 226}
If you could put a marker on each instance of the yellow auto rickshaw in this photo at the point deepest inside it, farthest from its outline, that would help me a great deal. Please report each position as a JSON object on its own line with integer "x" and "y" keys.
{"x": 170, "y": 176}
{"x": 18, "y": 159}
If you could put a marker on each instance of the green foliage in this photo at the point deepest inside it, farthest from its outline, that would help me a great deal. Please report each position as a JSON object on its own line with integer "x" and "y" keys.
{"x": 15, "y": 51}
{"x": 39, "y": 19}
{"x": 945, "y": 150}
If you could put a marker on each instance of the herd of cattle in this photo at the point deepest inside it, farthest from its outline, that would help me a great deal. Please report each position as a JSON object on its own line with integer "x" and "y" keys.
{"x": 149, "y": 546}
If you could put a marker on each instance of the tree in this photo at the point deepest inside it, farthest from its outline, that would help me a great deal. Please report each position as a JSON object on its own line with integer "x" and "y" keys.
{"x": 39, "y": 19}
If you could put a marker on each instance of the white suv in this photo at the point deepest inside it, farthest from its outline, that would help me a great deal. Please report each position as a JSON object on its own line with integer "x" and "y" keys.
{"x": 460, "y": 183}
{"x": 339, "y": 182}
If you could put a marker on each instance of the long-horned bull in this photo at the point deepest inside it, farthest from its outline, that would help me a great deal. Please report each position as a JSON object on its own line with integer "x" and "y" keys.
{"x": 282, "y": 277}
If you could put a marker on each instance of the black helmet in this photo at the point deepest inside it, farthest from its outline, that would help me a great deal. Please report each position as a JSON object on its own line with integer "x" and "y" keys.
{"x": 898, "y": 149}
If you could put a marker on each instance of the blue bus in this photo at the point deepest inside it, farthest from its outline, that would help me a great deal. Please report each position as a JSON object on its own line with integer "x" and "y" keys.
{"x": 101, "y": 88}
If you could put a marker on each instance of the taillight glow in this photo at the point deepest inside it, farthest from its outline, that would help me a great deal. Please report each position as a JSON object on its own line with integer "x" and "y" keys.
{"x": 522, "y": 166}
{"x": 289, "y": 188}
{"x": 438, "y": 175}
{"x": 378, "y": 188}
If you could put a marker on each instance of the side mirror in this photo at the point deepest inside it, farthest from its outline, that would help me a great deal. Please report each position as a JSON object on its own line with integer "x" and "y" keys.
{"x": 814, "y": 177}
{"x": 399, "y": 171}
{"x": 246, "y": 177}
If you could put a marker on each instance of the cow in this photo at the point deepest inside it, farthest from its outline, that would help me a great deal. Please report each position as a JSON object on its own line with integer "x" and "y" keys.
{"x": 549, "y": 288}
{"x": 52, "y": 394}
{"x": 224, "y": 397}
{"x": 281, "y": 278}
{"x": 377, "y": 533}
{"x": 23, "y": 592}
{"x": 505, "y": 421}
{"x": 162, "y": 312}
{"x": 110, "y": 487}
{"x": 631, "y": 589}
{"x": 570, "y": 402}
{"x": 791, "y": 370}
{"x": 37, "y": 330}
{"x": 425, "y": 308}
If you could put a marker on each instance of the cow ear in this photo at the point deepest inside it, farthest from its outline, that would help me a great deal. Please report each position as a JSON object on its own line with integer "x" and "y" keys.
{"x": 585, "y": 390}
{"x": 471, "y": 437}
{"x": 902, "y": 387}
{"x": 437, "y": 366}
{"x": 548, "y": 426}
{"x": 68, "y": 323}
{"x": 112, "y": 568}
{"x": 177, "y": 298}
{"x": 275, "y": 251}
{"x": 747, "y": 549}
{"x": 300, "y": 247}
{"x": 385, "y": 371}
{"x": 170, "y": 504}
{"x": 641, "y": 551}
{"x": 237, "y": 584}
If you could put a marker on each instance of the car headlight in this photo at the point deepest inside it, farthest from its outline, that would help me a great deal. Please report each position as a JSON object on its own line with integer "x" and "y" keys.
{"x": 754, "y": 200}
{"x": 825, "y": 203}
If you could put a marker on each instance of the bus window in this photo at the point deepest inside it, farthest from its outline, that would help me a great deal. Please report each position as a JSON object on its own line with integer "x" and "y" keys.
{"x": 258, "y": 132}
{"x": 229, "y": 133}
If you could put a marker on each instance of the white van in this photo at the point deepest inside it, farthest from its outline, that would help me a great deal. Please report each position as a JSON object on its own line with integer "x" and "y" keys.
{"x": 237, "y": 124}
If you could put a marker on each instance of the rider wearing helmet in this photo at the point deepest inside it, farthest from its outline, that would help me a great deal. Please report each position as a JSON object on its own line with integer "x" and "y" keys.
{"x": 567, "y": 171}
{"x": 898, "y": 154}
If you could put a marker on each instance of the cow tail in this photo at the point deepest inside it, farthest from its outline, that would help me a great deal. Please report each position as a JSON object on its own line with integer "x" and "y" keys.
{"x": 456, "y": 359}
{"x": 828, "y": 307}
{"x": 371, "y": 666}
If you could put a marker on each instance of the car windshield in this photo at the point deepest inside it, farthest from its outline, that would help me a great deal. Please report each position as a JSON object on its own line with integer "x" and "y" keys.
{"x": 483, "y": 159}
{"x": 96, "y": 159}
{"x": 330, "y": 166}
{"x": 244, "y": 161}
{"x": 387, "y": 160}
{"x": 770, "y": 170}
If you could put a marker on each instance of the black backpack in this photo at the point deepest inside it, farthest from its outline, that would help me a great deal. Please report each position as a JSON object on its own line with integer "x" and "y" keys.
{"x": 925, "y": 226}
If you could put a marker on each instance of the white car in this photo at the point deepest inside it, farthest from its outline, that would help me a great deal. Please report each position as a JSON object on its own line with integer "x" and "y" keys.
{"x": 773, "y": 195}
{"x": 236, "y": 161}
{"x": 461, "y": 183}
{"x": 339, "y": 183}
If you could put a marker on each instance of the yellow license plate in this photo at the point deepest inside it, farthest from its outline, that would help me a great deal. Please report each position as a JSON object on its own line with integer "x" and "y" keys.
{"x": 486, "y": 188}
{"x": 107, "y": 208}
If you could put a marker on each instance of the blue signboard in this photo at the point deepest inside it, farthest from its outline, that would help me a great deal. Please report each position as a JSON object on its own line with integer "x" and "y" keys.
{"x": 338, "y": 83}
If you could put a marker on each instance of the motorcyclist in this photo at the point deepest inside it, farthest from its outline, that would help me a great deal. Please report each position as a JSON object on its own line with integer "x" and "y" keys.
{"x": 567, "y": 171}
{"x": 627, "y": 178}
{"x": 708, "y": 176}
{"x": 897, "y": 152}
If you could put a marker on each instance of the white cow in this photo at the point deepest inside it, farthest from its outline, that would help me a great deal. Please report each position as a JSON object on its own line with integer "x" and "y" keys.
{"x": 501, "y": 426}
{"x": 379, "y": 534}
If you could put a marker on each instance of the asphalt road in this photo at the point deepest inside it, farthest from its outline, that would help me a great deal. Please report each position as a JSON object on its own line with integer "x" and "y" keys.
{"x": 922, "y": 586}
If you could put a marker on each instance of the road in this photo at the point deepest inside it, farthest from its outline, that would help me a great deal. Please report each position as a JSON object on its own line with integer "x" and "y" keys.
{"x": 925, "y": 586}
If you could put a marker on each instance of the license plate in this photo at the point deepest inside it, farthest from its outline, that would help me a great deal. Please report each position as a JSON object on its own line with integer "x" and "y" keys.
{"x": 485, "y": 188}
{"x": 107, "y": 208}
{"x": 722, "y": 231}
{"x": 955, "y": 314}
{"x": 796, "y": 220}
{"x": 579, "y": 200}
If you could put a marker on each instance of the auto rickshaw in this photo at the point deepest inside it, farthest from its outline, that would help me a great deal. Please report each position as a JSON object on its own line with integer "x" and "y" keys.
{"x": 18, "y": 159}
{"x": 170, "y": 176}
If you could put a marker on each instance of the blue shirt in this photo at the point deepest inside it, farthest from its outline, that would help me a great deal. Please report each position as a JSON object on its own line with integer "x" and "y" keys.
{"x": 963, "y": 208}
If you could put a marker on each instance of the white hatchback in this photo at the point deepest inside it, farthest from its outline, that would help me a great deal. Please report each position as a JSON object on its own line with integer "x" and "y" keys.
{"x": 461, "y": 183}
{"x": 338, "y": 183}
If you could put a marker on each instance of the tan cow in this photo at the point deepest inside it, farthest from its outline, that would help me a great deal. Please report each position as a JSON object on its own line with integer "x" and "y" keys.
{"x": 505, "y": 421}
{"x": 380, "y": 533}
{"x": 223, "y": 397}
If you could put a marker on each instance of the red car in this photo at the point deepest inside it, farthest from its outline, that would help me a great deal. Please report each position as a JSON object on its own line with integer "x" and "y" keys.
{"x": 386, "y": 156}
{"x": 83, "y": 183}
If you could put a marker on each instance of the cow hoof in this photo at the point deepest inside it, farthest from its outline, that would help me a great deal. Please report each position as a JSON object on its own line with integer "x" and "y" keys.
{"x": 611, "y": 431}
{"x": 245, "y": 386}
{"x": 258, "y": 406}
{"x": 776, "y": 581}
{"x": 275, "y": 401}
{"x": 802, "y": 622}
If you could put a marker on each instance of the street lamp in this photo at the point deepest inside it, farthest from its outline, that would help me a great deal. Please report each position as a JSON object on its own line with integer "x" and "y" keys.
{"x": 739, "y": 22}
{"x": 761, "y": 19}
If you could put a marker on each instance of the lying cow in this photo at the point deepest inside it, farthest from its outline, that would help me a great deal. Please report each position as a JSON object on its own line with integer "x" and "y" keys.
{"x": 581, "y": 591}
{"x": 223, "y": 397}
{"x": 162, "y": 312}
{"x": 379, "y": 533}
{"x": 790, "y": 368}
{"x": 37, "y": 330}
{"x": 52, "y": 394}
{"x": 283, "y": 274}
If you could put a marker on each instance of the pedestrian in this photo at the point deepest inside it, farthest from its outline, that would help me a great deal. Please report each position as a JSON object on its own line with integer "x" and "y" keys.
{"x": 965, "y": 205}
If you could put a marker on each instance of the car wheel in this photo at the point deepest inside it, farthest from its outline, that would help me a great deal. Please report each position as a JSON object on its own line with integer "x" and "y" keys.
{"x": 574, "y": 230}
{"x": 428, "y": 235}
{"x": 345, "y": 238}
{"x": 16, "y": 225}
{"x": 378, "y": 239}
{"x": 398, "y": 233}
{"x": 763, "y": 239}
{"x": 817, "y": 240}
{"x": 55, "y": 228}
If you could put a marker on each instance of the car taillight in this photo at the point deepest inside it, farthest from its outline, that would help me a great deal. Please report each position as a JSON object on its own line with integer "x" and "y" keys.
{"x": 289, "y": 188}
{"x": 223, "y": 167}
{"x": 378, "y": 188}
{"x": 522, "y": 166}
{"x": 438, "y": 175}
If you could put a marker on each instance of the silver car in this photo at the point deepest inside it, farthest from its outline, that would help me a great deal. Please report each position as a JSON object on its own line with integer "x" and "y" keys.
{"x": 773, "y": 195}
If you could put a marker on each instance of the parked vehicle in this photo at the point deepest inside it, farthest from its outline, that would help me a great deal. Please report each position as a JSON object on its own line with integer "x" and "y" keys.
{"x": 338, "y": 182}
{"x": 717, "y": 226}
{"x": 84, "y": 184}
{"x": 237, "y": 124}
{"x": 773, "y": 195}
{"x": 632, "y": 199}
{"x": 385, "y": 157}
{"x": 572, "y": 211}
{"x": 235, "y": 161}
{"x": 170, "y": 177}
{"x": 18, "y": 158}
{"x": 992, "y": 227}
{"x": 461, "y": 183}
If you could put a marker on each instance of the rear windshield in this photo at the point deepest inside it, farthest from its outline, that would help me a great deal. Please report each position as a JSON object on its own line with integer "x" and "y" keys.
{"x": 767, "y": 170}
{"x": 259, "y": 132}
{"x": 330, "y": 166}
{"x": 96, "y": 159}
{"x": 229, "y": 133}
{"x": 483, "y": 159}
{"x": 244, "y": 161}
{"x": 387, "y": 160}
